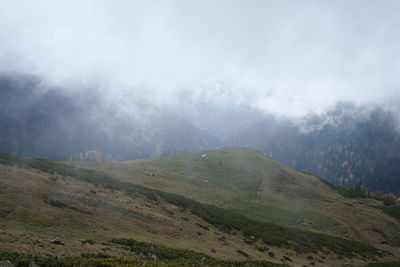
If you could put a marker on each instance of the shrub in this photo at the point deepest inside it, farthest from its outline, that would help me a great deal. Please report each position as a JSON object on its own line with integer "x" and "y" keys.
{"x": 241, "y": 252}
{"x": 287, "y": 258}
{"x": 262, "y": 248}
{"x": 87, "y": 241}
{"x": 205, "y": 227}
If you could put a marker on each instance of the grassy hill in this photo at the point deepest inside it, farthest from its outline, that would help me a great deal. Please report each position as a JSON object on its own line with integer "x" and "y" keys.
{"x": 258, "y": 187}
{"x": 188, "y": 207}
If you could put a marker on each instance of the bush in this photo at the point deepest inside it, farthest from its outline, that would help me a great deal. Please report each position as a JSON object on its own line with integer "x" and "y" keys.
{"x": 262, "y": 248}
{"x": 205, "y": 227}
{"x": 87, "y": 241}
{"x": 287, "y": 258}
{"x": 241, "y": 252}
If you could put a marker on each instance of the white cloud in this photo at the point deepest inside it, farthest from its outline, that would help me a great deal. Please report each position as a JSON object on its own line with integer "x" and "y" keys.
{"x": 285, "y": 57}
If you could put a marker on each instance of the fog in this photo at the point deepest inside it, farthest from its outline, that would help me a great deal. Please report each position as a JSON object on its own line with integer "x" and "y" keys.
{"x": 289, "y": 58}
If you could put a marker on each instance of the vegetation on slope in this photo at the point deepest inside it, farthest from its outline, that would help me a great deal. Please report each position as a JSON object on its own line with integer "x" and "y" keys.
{"x": 390, "y": 207}
{"x": 183, "y": 256}
{"x": 393, "y": 211}
{"x": 178, "y": 258}
{"x": 249, "y": 183}
{"x": 227, "y": 221}
{"x": 224, "y": 175}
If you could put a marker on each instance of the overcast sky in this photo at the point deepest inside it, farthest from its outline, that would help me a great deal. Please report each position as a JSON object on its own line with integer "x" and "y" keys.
{"x": 286, "y": 57}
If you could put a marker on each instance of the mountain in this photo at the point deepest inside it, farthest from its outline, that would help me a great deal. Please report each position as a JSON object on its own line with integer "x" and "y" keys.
{"x": 348, "y": 145}
{"x": 57, "y": 123}
{"x": 185, "y": 209}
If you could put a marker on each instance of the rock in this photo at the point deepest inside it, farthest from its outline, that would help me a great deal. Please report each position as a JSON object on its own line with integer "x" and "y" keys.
{"x": 6, "y": 264}
{"x": 6, "y": 208}
{"x": 56, "y": 241}
{"x": 33, "y": 264}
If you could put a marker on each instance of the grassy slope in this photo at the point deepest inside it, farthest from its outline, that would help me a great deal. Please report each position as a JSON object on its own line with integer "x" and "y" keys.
{"x": 249, "y": 183}
{"x": 151, "y": 255}
{"x": 94, "y": 211}
{"x": 80, "y": 215}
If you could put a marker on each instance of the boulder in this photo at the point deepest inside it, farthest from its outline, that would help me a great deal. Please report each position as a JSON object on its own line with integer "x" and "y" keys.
{"x": 56, "y": 241}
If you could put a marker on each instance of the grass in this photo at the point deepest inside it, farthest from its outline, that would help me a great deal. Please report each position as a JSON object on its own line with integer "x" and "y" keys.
{"x": 285, "y": 197}
{"x": 161, "y": 252}
{"x": 383, "y": 264}
{"x": 393, "y": 211}
{"x": 277, "y": 214}
{"x": 223, "y": 169}
{"x": 163, "y": 256}
{"x": 390, "y": 207}
{"x": 225, "y": 220}
{"x": 346, "y": 191}
{"x": 231, "y": 178}
{"x": 223, "y": 174}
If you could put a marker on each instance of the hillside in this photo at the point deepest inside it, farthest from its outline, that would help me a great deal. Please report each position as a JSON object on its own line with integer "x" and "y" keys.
{"x": 97, "y": 213}
{"x": 258, "y": 187}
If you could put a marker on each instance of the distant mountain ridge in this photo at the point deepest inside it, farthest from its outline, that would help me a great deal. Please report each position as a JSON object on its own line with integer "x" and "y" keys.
{"x": 56, "y": 123}
{"x": 348, "y": 145}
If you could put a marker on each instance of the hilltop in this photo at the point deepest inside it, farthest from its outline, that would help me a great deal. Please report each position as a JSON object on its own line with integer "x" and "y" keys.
{"x": 347, "y": 145}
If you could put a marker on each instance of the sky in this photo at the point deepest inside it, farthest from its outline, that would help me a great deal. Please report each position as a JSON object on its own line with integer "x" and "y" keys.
{"x": 290, "y": 58}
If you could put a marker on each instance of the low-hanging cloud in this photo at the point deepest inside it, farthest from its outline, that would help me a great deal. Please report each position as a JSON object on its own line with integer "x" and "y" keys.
{"x": 290, "y": 58}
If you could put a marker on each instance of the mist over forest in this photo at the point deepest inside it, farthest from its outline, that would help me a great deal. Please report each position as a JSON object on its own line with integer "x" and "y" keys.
{"x": 348, "y": 145}
{"x": 313, "y": 85}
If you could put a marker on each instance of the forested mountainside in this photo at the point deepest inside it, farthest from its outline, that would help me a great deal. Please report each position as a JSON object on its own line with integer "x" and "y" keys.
{"x": 53, "y": 123}
{"x": 348, "y": 146}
